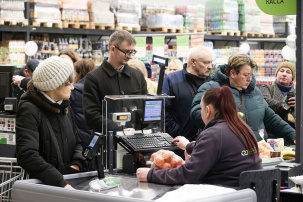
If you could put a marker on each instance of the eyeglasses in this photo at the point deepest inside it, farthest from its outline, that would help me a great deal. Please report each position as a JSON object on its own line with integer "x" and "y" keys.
{"x": 247, "y": 76}
{"x": 128, "y": 53}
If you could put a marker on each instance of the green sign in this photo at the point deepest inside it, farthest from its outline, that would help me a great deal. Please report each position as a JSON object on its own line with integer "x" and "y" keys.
{"x": 278, "y": 7}
{"x": 141, "y": 41}
{"x": 158, "y": 41}
{"x": 183, "y": 41}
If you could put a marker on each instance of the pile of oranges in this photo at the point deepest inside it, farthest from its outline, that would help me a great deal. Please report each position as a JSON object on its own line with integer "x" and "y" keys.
{"x": 164, "y": 159}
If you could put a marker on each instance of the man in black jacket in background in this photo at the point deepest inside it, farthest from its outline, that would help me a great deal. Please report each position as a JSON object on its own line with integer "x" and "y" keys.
{"x": 24, "y": 75}
{"x": 113, "y": 77}
{"x": 183, "y": 85}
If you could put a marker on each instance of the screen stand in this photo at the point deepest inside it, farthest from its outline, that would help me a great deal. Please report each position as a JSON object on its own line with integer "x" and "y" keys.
{"x": 161, "y": 77}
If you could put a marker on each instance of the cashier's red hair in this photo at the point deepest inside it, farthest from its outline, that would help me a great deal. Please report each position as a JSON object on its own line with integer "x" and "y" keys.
{"x": 223, "y": 102}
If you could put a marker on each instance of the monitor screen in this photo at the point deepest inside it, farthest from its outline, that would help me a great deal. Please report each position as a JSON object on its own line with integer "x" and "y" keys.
{"x": 6, "y": 75}
{"x": 152, "y": 111}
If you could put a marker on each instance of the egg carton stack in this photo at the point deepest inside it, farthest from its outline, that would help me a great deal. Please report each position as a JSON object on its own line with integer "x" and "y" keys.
{"x": 12, "y": 12}
{"x": 100, "y": 16}
{"x": 127, "y": 14}
{"x": 221, "y": 17}
{"x": 45, "y": 13}
{"x": 193, "y": 17}
{"x": 74, "y": 14}
{"x": 161, "y": 18}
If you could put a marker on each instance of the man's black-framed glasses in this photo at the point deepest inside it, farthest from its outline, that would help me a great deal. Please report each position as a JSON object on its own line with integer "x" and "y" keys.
{"x": 128, "y": 53}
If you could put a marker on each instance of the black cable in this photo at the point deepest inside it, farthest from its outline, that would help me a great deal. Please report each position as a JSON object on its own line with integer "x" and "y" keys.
{"x": 142, "y": 131}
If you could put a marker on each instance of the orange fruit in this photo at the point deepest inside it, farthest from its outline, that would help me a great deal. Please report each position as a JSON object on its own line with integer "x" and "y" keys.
{"x": 167, "y": 155}
{"x": 153, "y": 156}
{"x": 173, "y": 163}
{"x": 159, "y": 160}
{"x": 166, "y": 165}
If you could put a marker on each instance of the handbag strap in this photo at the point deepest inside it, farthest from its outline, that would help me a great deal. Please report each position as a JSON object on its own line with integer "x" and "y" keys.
{"x": 53, "y": 137}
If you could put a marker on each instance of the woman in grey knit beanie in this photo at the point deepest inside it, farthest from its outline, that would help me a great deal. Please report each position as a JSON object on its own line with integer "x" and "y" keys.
{"x": 47, "y": 143}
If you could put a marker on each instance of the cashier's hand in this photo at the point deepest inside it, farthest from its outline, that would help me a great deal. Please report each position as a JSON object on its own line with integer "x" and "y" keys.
{"x": 17, "y": 79}
{"x": 181, "y": 142}
{"x": 68, "y": 187}
{"x": 292, "y": 102}
{"x": 142, "y": 174}
{"x": 75, "y": 167}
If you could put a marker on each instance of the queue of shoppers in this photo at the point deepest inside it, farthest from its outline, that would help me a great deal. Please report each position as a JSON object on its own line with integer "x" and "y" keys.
{"x": 63, "y": 107}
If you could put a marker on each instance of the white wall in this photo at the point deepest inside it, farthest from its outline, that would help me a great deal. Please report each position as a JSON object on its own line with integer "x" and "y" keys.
{"x": 167, "y": 2}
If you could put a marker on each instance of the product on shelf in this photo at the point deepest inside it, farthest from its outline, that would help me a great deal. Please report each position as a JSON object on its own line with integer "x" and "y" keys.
{"x": 74, "y": 11}
{"x": 156, "y": 16}
{"x": 12, "y": 52}
{"x": 193, "y": 16}
{"x": 222, "y": 15}
{"x": 267, "y": 61}
{"x": 249, "y": 17}
{"x": 99, "y": 13}
{"x": 266, "y": 24}
{"x": 12, "y": 10}
{"x": 45, "y": 10}
{"x": 127, "y": 12}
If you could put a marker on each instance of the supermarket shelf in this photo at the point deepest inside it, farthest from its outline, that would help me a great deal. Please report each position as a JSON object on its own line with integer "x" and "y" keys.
{"x": 266, "y": 39}
{"x": 8, "y": 28}
{"x": 206, "y": 37}
{"x": 70, "y": 31}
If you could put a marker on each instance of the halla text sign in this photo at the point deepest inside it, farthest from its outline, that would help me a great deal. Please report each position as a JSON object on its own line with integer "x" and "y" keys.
{"x": 278, "y": 7}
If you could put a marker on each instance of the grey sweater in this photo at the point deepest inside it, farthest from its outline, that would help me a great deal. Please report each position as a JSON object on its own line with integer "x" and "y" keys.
{"x": 217, "y": 157}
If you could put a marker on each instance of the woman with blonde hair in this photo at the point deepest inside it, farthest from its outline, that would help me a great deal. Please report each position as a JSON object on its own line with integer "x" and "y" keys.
{"x": 139, "y": 65}
{"x": 174, "y": 65}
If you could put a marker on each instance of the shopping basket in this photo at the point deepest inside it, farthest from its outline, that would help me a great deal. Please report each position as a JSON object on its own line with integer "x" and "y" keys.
{"x": 9, "y": 173}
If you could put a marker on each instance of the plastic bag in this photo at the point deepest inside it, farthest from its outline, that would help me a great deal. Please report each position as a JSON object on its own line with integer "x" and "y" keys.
{"x": 164, "y": 159}
{"x": 264, "y": 149}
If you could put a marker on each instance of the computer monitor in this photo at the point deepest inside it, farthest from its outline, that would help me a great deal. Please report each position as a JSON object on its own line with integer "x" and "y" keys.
{"x": 6, "y": 75}
{"x": 152, "y": 111}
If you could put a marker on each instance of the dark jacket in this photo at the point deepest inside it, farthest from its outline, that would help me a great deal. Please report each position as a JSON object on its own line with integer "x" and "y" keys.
{"x": 274, "y": 97}
{"x": 105, "y": 80}
{"x": 83, "y": 130}
{"x": 35, "y": 149}
{"x": 217, "y": 157}
{"x": 177, "y": 110}
{"x": 258, "y": 114}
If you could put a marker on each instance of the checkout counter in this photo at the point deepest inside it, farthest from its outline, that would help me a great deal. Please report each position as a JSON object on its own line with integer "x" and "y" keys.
{"x": 115, "y": 110}
{"x": 129, "y": 190}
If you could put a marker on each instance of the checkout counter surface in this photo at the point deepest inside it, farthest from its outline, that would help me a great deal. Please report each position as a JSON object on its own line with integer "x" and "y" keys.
{"x": 129, "y": 190}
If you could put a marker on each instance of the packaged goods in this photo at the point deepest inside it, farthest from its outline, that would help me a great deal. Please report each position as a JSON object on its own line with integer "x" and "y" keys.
{"x": 127, "y": 12}
{"x": 222, "y": 15}
{"x": 104, "y": 184}
{"x": 12, "y": 5}
{"x": 164, "y": 159}
{"x": 74, "y": 4}
{"x": 276, "y": 144}
{"x": 45, "y": 12}
{"x": 264, "y": 149}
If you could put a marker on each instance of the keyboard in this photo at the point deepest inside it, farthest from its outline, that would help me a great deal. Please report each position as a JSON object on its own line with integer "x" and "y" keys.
{"x": 147, "y": 142}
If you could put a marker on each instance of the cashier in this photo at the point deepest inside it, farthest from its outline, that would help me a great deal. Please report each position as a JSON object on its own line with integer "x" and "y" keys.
{"x": 225, "y": 148}
{"x": 47, "y": 143}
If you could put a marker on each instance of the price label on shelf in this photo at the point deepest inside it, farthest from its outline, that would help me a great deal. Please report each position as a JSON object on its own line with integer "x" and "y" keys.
{"x": 182, "y": 46}
{"x": 158, "y": 45}
{"x": 141, "y": 47}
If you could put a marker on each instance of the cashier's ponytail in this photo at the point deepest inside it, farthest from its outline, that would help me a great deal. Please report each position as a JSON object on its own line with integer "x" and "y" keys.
{"x": 224, "y": 104}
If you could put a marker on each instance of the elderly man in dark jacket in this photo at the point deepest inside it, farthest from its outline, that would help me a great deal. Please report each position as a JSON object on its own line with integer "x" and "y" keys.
{"x": 183, "y": 85}
{"x": 113, "y": 77}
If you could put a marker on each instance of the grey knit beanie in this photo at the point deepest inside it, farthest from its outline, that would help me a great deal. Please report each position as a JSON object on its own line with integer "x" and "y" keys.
{"x": 52, "y": 73}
